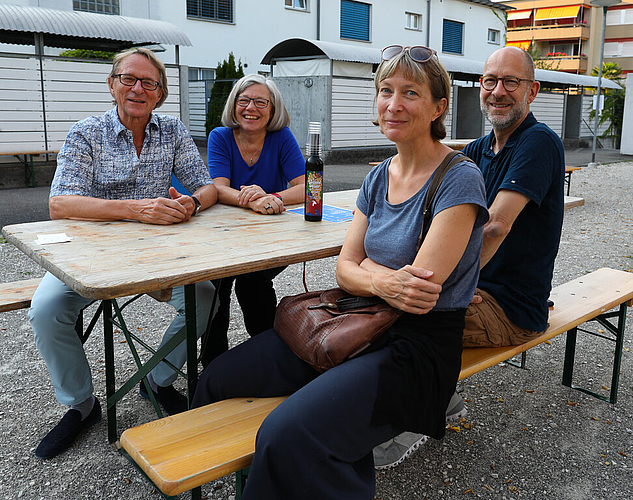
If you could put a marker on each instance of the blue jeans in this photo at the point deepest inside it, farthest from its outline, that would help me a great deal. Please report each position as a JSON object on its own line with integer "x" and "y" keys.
{"x": 318, "y": 443}
{"x": 54, "y": 311}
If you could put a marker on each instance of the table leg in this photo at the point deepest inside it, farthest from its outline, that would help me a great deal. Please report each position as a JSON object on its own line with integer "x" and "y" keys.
{"x": 192, "y": 341}
{"x": 108, "y": 339}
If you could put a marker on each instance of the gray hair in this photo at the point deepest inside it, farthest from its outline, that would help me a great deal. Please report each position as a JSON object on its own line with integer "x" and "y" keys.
{"x": 156, "y": 62}
{"x": 279, "y": 117}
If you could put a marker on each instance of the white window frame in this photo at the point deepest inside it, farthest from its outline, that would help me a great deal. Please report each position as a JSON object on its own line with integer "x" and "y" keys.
{"x": 495, "y": 39}
{"x": 414, "y": 26}
{"x": 295, "y": 5}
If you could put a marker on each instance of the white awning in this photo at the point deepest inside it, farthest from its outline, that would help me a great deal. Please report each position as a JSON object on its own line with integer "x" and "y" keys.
{"x": 519, "y": 14}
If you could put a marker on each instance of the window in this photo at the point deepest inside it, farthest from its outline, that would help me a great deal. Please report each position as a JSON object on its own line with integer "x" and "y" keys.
{"x": 297, "y": 4}
{"x": 414, "y": 21}
{"x": 197, "y": 74}
{"x": 494, "y": 36}
{"x": 355, "y": 17}
{"x": 452, "y": 37}
{"x": 212, "y": 10}
{"x": 97, "y": 6}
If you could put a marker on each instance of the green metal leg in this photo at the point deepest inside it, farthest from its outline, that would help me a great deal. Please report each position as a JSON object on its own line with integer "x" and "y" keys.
{"x": 240, "y": 482}
{"x": 617, "y": 330}
{"x": 570, "y": 355}
{"x": 108, "y": 339}
{"x": 523, "y": 362}
{"x": 192, "y": 341}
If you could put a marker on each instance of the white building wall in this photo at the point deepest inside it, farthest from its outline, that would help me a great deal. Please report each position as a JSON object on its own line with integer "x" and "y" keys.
{"x": 261, "y": 24}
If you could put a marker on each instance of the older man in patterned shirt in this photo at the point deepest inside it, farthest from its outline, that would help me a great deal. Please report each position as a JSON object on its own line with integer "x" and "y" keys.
{"x": 114, "y": 167}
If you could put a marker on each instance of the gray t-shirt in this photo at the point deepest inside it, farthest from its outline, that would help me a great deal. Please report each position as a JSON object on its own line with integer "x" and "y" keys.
{"x": 393, "y": 230}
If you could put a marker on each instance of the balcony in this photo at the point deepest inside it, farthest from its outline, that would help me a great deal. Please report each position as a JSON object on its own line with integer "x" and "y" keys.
{"x": 569, "y": 64}
{"x": 548, "y": 33}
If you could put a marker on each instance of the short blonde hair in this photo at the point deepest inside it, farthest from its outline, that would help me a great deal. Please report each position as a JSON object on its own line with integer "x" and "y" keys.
{"x": 431, "y": 73}
{"x": 158, "y": 64}
{"x": 279, "y": 117}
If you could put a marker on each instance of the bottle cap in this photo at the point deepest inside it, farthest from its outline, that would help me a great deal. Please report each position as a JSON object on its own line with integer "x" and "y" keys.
{"x": 313, "y": 143}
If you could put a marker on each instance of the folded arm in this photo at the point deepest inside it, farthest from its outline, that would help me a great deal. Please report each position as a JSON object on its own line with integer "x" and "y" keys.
{"x": 413, "y": 288}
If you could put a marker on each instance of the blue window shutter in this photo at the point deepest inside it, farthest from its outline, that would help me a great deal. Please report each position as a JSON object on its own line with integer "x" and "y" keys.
{"x": 355, "y": 20}
{"x": 452, "y": 37}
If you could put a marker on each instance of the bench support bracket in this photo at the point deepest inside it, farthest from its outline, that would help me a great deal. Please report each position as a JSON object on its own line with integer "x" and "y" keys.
{"x": 617, "y": 330}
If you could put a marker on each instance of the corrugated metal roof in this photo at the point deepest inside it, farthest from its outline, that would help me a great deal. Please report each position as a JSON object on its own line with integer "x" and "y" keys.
{"x": 61, "y": 23}
{"x": 461, "y": 68}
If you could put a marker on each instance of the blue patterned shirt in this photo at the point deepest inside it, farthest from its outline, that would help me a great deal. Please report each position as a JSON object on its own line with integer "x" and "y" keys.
{"x": 98, "y": 159}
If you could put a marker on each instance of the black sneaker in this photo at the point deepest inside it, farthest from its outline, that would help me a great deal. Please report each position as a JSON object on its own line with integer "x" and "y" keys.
{"x": 170, "y": 399}
{"x": 63, "y": 435}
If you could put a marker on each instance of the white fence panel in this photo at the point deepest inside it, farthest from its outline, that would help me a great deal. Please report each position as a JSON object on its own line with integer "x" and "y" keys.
{"x": 549, "y": 108}
{"x": 197, "y": 109}
{"x": 587, "y": 124}
{"x": 353, "y": 109}
{"x": 21, "y": 117}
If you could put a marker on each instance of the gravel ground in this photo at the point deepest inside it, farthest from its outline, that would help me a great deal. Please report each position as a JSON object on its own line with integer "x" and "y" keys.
{"x": 526, "y": 436}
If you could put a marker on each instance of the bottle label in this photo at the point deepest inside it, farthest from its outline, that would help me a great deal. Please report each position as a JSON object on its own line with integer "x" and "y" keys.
{"x": 314, "y": 193}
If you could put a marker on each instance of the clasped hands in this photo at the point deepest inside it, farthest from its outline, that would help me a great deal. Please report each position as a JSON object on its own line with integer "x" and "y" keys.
{"x": 258, "y": 200}
{"x": 165, "y": 210}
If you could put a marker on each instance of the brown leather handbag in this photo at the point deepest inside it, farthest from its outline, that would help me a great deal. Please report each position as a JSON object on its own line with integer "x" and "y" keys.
{"x": 327, "y": 327}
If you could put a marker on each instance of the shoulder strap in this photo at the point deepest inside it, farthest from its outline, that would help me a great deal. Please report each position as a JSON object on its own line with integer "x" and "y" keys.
{"x": 450, "y": 160}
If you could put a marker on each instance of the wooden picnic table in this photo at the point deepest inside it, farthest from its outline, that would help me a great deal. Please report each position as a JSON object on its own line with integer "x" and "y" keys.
{"x": 108, "y": 260}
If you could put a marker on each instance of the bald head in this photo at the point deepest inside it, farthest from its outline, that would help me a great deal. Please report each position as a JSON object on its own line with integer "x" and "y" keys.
{"x": 516, "y": 56}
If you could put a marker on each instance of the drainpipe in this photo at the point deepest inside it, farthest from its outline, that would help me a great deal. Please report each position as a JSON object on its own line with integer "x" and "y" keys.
{"x": 318, "y": 19}
{"x": 428, "y": 23}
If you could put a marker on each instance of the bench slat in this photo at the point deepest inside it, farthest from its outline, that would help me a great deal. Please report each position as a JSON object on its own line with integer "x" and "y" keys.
{"x": 17, "y": 294}
{"x": 602, "y": 290}
{"x": 192, "y": 448}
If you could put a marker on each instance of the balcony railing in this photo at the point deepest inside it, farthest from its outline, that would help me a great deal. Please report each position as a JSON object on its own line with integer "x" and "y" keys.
{"x": 550, "y": 32}
{"x": 574, "y": 64}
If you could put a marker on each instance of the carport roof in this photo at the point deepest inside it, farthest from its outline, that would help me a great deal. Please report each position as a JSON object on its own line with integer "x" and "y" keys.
{"x": 459, "y": 67}
{"x": 69, "y": 29}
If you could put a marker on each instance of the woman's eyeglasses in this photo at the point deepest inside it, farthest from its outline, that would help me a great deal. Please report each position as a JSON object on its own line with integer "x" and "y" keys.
{"x": 259, "y": 102}
{"x": 510, "y": 83}
{"x": 418, "y": 53}
{"x": 130, "y": 81}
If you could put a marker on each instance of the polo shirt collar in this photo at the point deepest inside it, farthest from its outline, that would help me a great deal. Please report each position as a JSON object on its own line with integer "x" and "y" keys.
{"x": 528, "y": 122}
{"x": 112, "y": 117}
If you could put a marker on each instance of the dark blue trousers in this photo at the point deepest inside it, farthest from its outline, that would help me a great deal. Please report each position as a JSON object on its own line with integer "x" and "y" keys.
{"x": 318, "y": 443}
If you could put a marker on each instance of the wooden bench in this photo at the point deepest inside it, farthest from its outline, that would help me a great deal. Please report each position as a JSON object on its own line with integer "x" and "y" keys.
{"x": 185, "y": 451}
{"x": 27, "y": 161}
{"x": 568, "y": 171}
{"x": 17, "y": 294}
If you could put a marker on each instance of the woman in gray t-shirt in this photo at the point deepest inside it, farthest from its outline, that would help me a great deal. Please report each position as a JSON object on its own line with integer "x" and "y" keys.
{"x": 318, "y": 443}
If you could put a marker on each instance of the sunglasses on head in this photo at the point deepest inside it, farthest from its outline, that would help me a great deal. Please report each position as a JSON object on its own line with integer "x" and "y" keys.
{"x": 418, "y": 53}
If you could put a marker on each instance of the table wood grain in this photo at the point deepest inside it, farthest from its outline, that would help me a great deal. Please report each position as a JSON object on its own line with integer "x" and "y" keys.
{"x": 106, "y": 260}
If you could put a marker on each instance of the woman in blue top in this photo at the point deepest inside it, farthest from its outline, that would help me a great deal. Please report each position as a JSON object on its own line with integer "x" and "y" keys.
{"x": 255, "y": 163}
{"x": 318, "y": 443}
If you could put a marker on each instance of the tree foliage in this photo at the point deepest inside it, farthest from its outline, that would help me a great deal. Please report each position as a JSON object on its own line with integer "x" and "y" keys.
{"x": 88, "y": 54}
{"x": 226, "y": 74}
{"x": 613, "y": 110}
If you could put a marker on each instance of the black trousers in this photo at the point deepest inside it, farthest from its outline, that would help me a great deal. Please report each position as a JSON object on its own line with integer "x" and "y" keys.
{"x": 258, "y": 301}
{"x": 318, "y": 443}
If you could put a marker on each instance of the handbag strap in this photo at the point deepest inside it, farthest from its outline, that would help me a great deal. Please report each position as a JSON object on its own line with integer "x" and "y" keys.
{"x": 450, "y": 160}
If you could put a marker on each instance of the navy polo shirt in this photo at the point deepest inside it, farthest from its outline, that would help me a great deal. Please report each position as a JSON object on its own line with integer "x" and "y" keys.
{"x": 519, "y": 275}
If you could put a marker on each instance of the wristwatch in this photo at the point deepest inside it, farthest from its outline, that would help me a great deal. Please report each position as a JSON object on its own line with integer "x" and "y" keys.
{"x": 198, "y": 206}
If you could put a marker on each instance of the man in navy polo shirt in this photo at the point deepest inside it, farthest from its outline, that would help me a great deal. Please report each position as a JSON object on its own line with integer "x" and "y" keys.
{"x": 523, "y": 163}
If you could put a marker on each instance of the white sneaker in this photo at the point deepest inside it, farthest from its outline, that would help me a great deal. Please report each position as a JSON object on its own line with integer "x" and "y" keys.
{"x": 395, "y": 451}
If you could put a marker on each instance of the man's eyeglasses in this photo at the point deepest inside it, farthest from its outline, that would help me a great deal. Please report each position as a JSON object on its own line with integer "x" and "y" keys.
{"x": 259, "y": 102}
{"x": 510, "y": 83}
{"x": 130, "y": 81}
{"x": 418, "y": 53}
